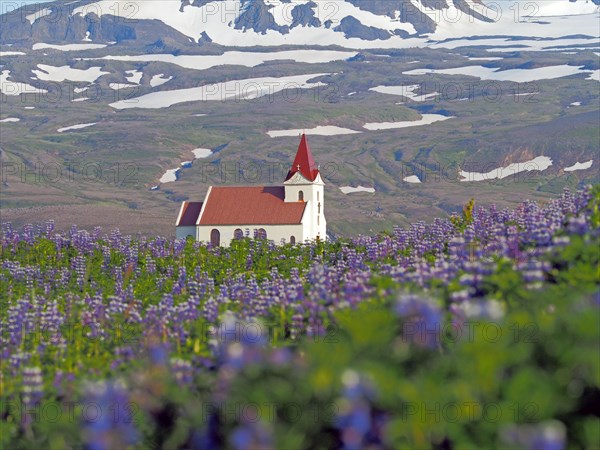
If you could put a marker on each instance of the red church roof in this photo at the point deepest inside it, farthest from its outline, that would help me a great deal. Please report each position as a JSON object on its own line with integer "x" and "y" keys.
{"x": 304, "y": 162}
{"x": 250, "y": 206}
{"x": 189, "y": 216}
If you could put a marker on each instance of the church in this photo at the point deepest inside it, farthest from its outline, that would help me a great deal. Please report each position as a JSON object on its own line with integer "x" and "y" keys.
{"x": 291, "y": 213}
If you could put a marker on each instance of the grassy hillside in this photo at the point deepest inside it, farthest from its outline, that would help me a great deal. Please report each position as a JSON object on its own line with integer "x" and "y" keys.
{"x": 116, "y": 162}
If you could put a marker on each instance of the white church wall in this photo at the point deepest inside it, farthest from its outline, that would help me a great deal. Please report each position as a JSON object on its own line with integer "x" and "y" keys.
{"x": 292, "y": 191}
{"x": 274, "y": 232}
{"x": 313, "y": 193}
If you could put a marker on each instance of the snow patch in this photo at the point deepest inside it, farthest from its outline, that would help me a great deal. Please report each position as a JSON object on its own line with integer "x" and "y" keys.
{"x": 33, "y": 18}
{"x": 352, "y": 190}
{"x": 595, "y": 75}
{"x": 201, "y": 153}
{"x": 67, "y": 47}
{"x": 580, "y": 166}
{"x": 135, "y": 76}
{"x": 60, "y": 74}
{"x": 484, "y": 58}
{"x": 10, "y": 120}
{"x": 552, "y": 8}
{"x": 119, "y": 86}
{"x": 11, "y": 54}
{"x": 170, "y": 176}
{"x": 525, "y": 93}
{"x": 516, "y": 75}
{"x": 16, "y": 88}
{"x": 246, "y": 89}
{"x": 76, "y": 127}
{"x": 506, "y": 44}
{"x": 540, "y": 163}
{"x": 321, "y": 130}
{"x": 236, "y": 58}
{"x": 160, "y": 79}
{"x": 426, "y": 119}
{"x": 412, "y": 179}
{"x": 405, "y": 91}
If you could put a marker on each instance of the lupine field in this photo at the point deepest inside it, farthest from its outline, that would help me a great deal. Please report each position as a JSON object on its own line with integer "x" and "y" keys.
{"x": 476, "y": 331}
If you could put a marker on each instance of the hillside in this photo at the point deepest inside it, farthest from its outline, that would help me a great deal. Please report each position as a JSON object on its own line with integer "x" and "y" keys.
{"x": 425, "y": 103}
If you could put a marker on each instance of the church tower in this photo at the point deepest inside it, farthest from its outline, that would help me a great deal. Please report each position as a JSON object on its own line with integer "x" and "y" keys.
{"x": 304, "y": 184}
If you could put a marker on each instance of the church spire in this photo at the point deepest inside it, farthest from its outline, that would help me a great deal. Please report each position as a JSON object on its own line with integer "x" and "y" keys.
{"x": 304, "y": 162}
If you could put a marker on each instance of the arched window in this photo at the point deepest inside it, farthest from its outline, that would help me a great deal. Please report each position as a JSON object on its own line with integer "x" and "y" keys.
{"x": 319, "y": 211}
{"x": 261, "y": 234}
{"x": 318, "y": 220}
{"x": 318, "y": 196}
{"x": 292, "y": 240}
{"x": 215, "y": 238}
{"x": 238, "y": 234}
{"x": 300, "y": 196}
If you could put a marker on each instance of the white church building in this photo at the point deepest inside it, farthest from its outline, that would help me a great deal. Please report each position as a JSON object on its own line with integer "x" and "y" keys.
{"x": 291, "y": 213}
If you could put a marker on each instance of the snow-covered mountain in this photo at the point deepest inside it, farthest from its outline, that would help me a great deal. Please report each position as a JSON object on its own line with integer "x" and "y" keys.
{"x": 348, "y": 23}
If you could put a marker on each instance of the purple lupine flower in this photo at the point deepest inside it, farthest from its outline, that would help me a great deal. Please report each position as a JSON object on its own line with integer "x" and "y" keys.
{"x": 159, "y": 353}
{"x": 548, "y": 435}
{"x": 150, "y": 265}
{"x": 33, "y": 387}
{"x": 533, "y": 272}
{"x": 79, "y": 268}
{"x": 238, "y": 342}
{"x": 252, "y": 436}
{"x": 487, "y": 309}
{"x": 462, "y": 295}
{"x": 182, "y": 371}
{"x": 109, "y": 421}
{"x": 297, "y": 327}
{"x": 210, "y": 310}
{"x": 28, "y": 234}
{"x": 354, "y": 418}
{"x": 63, "y": 382}
{"x": 18, "y": 359}
{"x": 422, "y": 320}
{"x": 578, "y": 225}
{"x": 123, "y": 354}
{"x": 48, "y": 228}
{"x": 561, "y": 241}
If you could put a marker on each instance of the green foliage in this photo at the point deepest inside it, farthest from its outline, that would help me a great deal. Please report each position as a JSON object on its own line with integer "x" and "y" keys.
{"x": 468, "y": 211}
{"x": 535, "y": 363}
{"x": 595, "y": 206}
{"x": 467, "y": 216}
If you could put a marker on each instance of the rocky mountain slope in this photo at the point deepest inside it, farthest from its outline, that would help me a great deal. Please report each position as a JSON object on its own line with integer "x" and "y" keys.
{"x": 352, "y": 23}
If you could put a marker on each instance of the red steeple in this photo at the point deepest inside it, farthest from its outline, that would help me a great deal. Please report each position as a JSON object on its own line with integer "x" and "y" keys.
{"x": 304, "y": 162}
